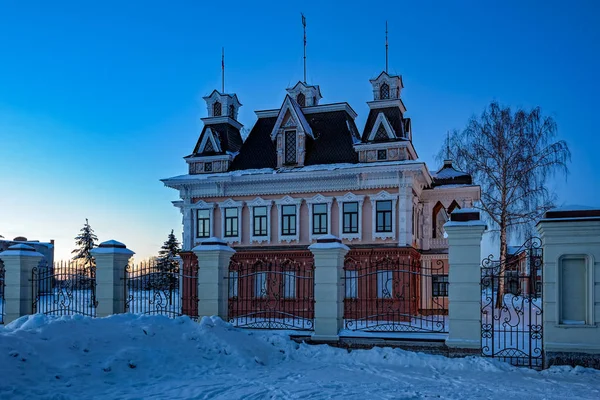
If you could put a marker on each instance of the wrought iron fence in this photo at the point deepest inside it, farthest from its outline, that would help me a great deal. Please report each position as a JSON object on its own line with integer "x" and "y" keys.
{"x": 2, "y": 275}
{"x": 511, "y": 306}
{"x": 64, "y": 288}
{"x": 161, "y": 289}
{"x": 389, "y": 292}
{"x": 271, "y": 292}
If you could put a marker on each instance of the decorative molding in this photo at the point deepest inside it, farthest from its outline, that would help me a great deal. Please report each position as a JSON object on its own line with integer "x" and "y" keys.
{"x": 318, "y": 199}
{"x": 381, "y": 119}
{"x": 295, "y": 112}
{"x": 348, "y": 198}
{"x": 288, "y": 200}
{"x": 259, "y": 202}
{"x": 223, "y": 119}
{"x": 230, "y": 203}
{"x": 383, "y": 195}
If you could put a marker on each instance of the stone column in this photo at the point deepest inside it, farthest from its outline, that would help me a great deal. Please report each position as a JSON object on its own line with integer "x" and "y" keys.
{"x": 571, "y": 286}
{"x": 111, "y": 259}
{"x": 329, "y": 253}
{"x": 19, "y": 262}
{"x": 465, "y": 231}
{"x": 405, "y": 211}
{"x": 213, "y": 261}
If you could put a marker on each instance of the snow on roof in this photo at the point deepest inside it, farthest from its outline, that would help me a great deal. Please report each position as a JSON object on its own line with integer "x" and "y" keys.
{"x": 574, "y": 207}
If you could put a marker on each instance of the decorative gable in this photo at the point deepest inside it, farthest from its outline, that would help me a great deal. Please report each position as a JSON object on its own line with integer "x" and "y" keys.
{"x": 289, "y": 132}
{"x": 210, "y": 143}
{"x": 382, "y": 130}
{"x": 222, "y": 105}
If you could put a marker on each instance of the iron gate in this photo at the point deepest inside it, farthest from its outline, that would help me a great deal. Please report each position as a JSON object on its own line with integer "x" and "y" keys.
{"x": 162, "y": 289}
{"x": 64, "y": 288}
{"x": 271, "y": 293}
{"x": 395, "y": 294}
{"x": 511, "y": 306}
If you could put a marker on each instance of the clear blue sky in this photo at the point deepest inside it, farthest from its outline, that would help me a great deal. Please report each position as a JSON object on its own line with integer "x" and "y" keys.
{"x": 99, "y": 100}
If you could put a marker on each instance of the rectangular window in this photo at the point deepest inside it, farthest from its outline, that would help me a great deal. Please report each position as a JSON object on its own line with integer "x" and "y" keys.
{"x": 381, "y": 154}
{"x": 383, "y": 216}
{"x": 351, "y": 284}
{"x": 260, "y": 284}
{"x": 260, "y": 221}
{"x": 573, "y": 291}
{"x": 233, "y": 284}
{"x": 350, "y": 217}
{"x": 290, "y": 148}
{"x": 319, "y": 219}
{"x": 231, "y": 222}
{"x": 203, "y": 224}
{"x": 288, "y": 220}
{"x": 439, "y": 285}
{"x": 289, "y": 285}
{"x": 384, "y": 284}
{"x": 208, "y": 167}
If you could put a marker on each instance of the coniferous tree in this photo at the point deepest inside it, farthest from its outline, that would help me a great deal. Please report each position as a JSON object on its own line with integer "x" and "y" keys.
{"x": 167, "y": 263}
{"x": 85, "y": 241}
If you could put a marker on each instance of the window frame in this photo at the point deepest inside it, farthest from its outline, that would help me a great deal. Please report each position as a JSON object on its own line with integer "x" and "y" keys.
{"x": 385, "y": 214}
{"x": 289, "y": 220}
{"x": 350, "y": 198}
{"x": 350, "y": 229}
{"x": 322, "y": 220}
{"x": 351, "y": 283}
{"x": 262, "y": 219}
{"x": 289, "y": 285}
{"x": 384, "y": 234}
{"x": 385, "y": 289}
{"x": 439, "y": 288}
{"x": 219, "y": 109}
{"x": 288, "y": 200}
{"x": 206, "y": 223}
{"x": 230, "y": 203}
{"x": 236, "y": 218}
{"x": 286, "y": 146}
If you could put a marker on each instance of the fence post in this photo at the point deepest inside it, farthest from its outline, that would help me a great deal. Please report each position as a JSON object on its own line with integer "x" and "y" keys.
{"x": 329, "y": 253}
{"x": 571, "y": 286}
{"x": 213, "y": 267}
{"x": 19, "y": 261}
{"x": 465, "y": 231}
{"x": 111, "y": 259}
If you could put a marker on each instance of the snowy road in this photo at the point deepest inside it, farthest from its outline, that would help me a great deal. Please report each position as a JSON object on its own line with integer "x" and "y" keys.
{"x": 143, "y": 357}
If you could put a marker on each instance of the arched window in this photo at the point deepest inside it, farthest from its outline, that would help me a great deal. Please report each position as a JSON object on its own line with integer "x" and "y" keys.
{"x": 440, "y": 217}
{"x": 217, "y": 109}
{"x": 231, "y": 111}
{"x": 384, "y": 92}
{"x": 301, "y": 99}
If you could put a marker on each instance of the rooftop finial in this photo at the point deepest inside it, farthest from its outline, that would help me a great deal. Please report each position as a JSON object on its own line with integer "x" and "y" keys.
{"x": 304, "y": 25}
{"x": 222, "y": 69}
{"x": 447, "y": 145}
{"x": 386, "y": 47}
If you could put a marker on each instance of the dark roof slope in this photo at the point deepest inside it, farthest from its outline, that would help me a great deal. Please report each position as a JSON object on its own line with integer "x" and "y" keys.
{"x": 394, "y": 117}
{"x": 333, "y": 143}
{"x": 258, "y": 151}
{"x": 448, "y": 175}
{"x": 333, "y": 139}
{"x": 229, "y": 136}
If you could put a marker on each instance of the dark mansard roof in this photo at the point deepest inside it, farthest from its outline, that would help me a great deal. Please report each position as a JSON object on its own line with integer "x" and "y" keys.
{"x": 335, "y": 133}
{"x": 228, "y": 135}
{"x": 399, "y": 124}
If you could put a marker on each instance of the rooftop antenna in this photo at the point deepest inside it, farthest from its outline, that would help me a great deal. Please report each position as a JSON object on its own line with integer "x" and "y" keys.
{"x": 304, "y": 25}
{"x": 386, "y": 48}
{"x": 223, "y": 70}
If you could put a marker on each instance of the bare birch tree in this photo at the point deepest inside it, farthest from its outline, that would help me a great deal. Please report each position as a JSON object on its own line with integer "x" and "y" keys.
{"x": 511, "y": 155}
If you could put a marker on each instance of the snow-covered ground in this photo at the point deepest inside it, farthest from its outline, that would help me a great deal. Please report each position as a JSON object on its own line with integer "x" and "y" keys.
{"x": 129, "y": 356}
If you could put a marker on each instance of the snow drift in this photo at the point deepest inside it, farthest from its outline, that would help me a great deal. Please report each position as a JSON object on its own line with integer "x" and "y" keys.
{"x": 133, "y": 357}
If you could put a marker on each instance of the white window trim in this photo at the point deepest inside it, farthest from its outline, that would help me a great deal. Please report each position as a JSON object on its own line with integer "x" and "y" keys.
{"x": 318, "y": 199}
{"x": 230, "y": 203}
{"x": 381, "y": 119}
{"x": 383, "y": 195}
{"x": 284, "y": 145}
{"x": 208, "y": 134}
{"x": 350, "y": 198}
{"x": 202, "y": 205}
{"x": 285, "y": 201}
{"x": 259, "y": 202}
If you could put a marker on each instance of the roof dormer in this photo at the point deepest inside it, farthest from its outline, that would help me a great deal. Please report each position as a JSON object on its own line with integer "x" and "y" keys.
{"x": 386, "y": 87}
{"x": 305, "y": 95}
{"x": 222, "y": 105}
